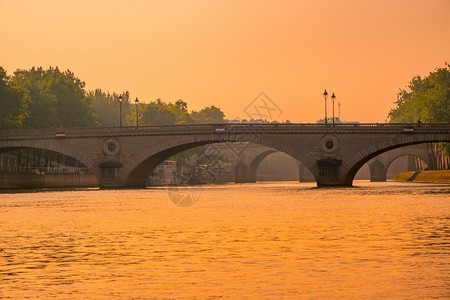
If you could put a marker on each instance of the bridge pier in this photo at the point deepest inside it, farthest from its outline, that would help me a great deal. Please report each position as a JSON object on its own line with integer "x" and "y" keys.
{"x": 333, "y": 182}
{"x": 241, "y": 172}
{"x": 377, "y": 171}
{"x": 329, "y": 175}
{"x": 110, "y": 175}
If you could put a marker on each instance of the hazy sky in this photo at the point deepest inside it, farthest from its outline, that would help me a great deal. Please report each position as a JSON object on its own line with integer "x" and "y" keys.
{"x": 225, "y": 53}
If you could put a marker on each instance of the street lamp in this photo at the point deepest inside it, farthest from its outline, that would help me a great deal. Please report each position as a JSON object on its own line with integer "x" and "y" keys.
{"x": 137, "y": 115}
{"x": 333, "y": 97}
{"x": 120, "y": 110}
{"x": 325, "y": 95}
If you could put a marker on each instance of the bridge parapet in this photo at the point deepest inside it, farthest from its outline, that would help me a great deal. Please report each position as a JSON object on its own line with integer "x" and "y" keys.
{"x": 227, "y": 128}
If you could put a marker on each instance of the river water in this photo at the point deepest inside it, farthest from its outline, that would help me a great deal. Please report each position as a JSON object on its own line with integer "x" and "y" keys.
{"x": 263, "y": 240}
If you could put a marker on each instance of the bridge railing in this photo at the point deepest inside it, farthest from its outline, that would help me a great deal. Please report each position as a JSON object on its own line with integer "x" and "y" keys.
{"x": 46, "y": 170}
{"x": 217, "y": 128}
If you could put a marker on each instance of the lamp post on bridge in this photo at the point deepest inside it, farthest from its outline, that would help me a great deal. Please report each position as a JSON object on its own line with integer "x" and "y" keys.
{"x": 325, "y": 95}
{"x": 120, "y": 110}
{"x": 137, "y": 113}
{"x": 333, "y": 97}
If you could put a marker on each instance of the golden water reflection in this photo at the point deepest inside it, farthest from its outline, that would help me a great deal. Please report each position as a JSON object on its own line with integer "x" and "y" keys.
{"x": 272, "y": 240}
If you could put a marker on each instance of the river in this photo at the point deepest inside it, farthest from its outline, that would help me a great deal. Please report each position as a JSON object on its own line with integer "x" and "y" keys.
{"x": 265, "y": 240}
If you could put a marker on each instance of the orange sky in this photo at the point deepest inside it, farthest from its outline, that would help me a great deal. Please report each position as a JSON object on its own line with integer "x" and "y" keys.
{"x": 225, "y": 53}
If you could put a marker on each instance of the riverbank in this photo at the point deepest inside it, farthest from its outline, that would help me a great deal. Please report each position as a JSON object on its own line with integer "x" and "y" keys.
{"x": 38, "y": 181}
{"x": 442, "y": 176}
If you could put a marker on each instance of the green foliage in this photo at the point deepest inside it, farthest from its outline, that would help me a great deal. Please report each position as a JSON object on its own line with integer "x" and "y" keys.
{"x": 57, "y": 99}
{"x": 161, "y": 113}
{"x": 157, "y": 113}
{"x": 38, "y": 98}
{"x": 426, "y": 99}
{"x": 13, "y": 104}
{"x": 106, "y": 107}
{"x": 180, "y": 110}
{"x": 208, "y": 115}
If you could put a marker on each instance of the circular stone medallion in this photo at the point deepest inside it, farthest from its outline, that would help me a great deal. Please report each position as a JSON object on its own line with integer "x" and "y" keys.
{"x": 329, "y": 143}
{"x": 111, "y": 147}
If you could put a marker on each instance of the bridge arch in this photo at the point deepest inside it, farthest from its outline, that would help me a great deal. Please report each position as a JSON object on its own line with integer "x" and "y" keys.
{"x": 421, "y": 157}
{"x": 379, "y": 170}
{"x": 380, "y": 164}
{"x": 136, "y": 173}
{"x": 82, "y": 159}
{"x": 408, "y": 152}
{"x": 255, "y": 164}
{"x": 353, "y": 164}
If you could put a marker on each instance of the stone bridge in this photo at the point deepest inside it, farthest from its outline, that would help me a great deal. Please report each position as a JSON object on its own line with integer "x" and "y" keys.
{"x": 379, "y": 165}
{"x": 245, "y": 159}
{"x": 123, "y": 157}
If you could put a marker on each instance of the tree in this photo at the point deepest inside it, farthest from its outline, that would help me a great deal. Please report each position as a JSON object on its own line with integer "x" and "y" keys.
{"x": 157, "y": 113}
{"x": 426, "y": 99}
{"x": 181, "y": 105}
{"x": 106, "y": 107}
{"x": 13, "y": 104}
{"x": 180, "y": 109}
{"x": 208, "y": 115}
{"x": 106, "y": 112}
{"x": 57, "y": 99}
{"x": 42, "y": 107}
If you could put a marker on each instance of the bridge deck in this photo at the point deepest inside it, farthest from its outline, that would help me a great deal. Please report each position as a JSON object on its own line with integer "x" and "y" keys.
{"x": 228, "y": 128}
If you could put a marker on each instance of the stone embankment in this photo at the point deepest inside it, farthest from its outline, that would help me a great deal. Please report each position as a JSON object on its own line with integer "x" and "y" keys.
{"x": 29, "y": 181}
{"x": 442, "y": 176}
